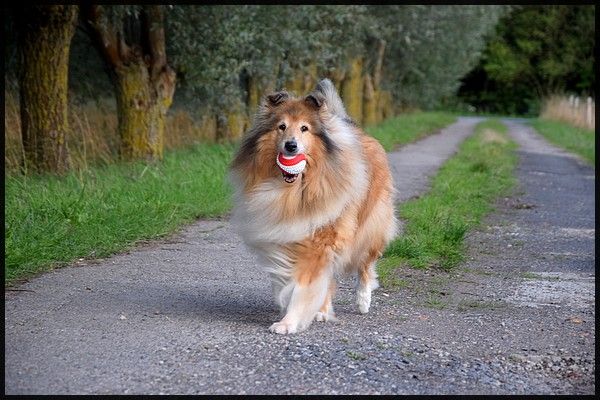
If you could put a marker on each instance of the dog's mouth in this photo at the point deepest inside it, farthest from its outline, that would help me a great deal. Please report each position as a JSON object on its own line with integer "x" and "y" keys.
{"x": 289, "y": 178}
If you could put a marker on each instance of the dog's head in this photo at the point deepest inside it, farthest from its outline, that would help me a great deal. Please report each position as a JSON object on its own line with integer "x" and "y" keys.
{"x": 288, "y": 127}
{"x": 298, "y": 128}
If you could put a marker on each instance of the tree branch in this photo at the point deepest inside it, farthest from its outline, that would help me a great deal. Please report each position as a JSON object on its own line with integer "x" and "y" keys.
{"x": 124, "y": 50}
{"x": 379, "y": 63}
{"x": 104, "y": 34}
{"x": 155, "y": 33}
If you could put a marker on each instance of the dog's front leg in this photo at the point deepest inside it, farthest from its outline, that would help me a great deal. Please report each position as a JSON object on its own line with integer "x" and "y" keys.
{"x": 314, "y": 260}
{"x": 307, "y": 297}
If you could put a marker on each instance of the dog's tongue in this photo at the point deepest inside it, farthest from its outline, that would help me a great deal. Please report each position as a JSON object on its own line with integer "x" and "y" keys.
{"x": 291, "y": 165}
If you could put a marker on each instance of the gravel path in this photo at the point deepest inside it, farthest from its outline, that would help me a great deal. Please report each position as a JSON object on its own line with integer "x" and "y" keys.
{"x": 189, "y": 315}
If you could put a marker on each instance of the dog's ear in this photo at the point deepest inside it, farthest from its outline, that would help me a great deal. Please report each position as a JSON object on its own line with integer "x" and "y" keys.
{"x": 315, "y": 99}
{"x": 277, "y": 98}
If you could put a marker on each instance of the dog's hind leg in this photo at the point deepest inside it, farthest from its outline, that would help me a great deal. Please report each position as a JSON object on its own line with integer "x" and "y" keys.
{"x": 367, "y": 282}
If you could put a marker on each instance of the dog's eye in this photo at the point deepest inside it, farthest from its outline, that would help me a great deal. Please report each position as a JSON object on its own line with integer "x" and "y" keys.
{"x": 282, "y": 127}
{"x": 303, "y": 128}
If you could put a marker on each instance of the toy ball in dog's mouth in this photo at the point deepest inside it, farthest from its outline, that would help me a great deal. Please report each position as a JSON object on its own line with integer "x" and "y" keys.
{"x": 291, "y": 167}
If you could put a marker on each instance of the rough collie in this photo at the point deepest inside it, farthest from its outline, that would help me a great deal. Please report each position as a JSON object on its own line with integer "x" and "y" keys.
{"x": 313, "y": 196}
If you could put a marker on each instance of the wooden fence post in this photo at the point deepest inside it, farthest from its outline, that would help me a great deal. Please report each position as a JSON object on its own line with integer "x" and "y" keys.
{"x": 589, "y": 112}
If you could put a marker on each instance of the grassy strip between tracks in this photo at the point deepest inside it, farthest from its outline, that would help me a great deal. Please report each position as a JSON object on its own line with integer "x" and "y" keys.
{"x": 462, "y": 192}
{"x": 54, "y": 221}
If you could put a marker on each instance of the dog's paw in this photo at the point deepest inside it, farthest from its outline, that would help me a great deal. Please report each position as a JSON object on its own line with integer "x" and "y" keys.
{"x": 283, "y": 328}
{"x": 325, "y": 317}
{"x": 363, "y": 299}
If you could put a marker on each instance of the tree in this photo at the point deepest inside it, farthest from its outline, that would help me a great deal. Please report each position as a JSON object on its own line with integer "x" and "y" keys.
{"x": 236, "y": 53}
{"x": 132, "y": 41}
{"x": 536, "y": 51}
{"x": 45, "y": 33}
{"x": 430, "y": 48}
{"x": 228, "y": 56}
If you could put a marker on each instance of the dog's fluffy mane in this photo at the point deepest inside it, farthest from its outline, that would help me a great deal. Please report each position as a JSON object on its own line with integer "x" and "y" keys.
{"x": 269, "y": 211}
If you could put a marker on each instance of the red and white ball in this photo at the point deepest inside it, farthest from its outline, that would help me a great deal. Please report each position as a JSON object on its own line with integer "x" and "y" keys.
{"x": 291, "y": 165}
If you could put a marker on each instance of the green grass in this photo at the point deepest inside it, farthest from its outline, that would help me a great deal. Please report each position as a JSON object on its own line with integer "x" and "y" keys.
{"x": 407, "y": 128}
{"x": 577, "y": 140}
{"x": 51, "y": 221}
{"x": 462, "y": 192}
{"x": 356, "y": 356}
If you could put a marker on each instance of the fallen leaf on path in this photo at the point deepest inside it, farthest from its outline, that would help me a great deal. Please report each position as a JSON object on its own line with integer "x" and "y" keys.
{"x": 575, "y": 320}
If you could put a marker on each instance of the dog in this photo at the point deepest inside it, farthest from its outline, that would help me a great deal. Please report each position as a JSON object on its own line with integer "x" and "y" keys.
{"x": 313, "y": 197}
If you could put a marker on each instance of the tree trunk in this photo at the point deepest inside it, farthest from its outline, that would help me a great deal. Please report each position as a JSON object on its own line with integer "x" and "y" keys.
{"x": 144, "y": 82}
{"x": 370, "y": 102}
{"x": 231, "y": 124}
{"x": 385, "y": 105}
{"x": 257, "y": 88}
{"x": 45, "y": 40}
{"x": 352, "y": 90}
{"x": 295, "y": 83}
{"x": 142, "y": 105}
{"x": 311, "y": 78}
{"x": 377, "y": 72}
{"x": 253, "y": 95}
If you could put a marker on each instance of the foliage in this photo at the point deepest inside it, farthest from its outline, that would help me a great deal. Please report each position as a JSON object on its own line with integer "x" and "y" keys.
{"x": 226, "y": 56}
{"x": 462, "y": 192}
{"x": 536, "y": 51}
{"x": 211, "y": 46}
{"x": 431, "y": 47}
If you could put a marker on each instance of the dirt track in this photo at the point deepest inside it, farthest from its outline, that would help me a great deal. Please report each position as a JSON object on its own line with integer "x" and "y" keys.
{"x": 190, "y": 314}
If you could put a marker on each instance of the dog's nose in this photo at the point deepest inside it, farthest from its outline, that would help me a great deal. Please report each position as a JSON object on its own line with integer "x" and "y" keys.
{"x": 291, "y": 146}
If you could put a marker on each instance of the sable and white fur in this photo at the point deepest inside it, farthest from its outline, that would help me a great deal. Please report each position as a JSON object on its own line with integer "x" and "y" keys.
{"x": 337, "y": 216}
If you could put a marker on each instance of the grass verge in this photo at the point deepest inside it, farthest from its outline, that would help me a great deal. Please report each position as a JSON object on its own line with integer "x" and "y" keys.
{"x": 51, "y": 221}
{"x": 577, "y": 140}
{"x": 407, "y": 128}
{"x": 462, "y": 193}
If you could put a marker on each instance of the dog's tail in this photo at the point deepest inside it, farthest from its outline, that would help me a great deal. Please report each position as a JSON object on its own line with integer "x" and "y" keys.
{"x": 332, "y": 98}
